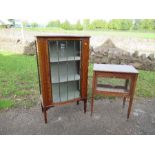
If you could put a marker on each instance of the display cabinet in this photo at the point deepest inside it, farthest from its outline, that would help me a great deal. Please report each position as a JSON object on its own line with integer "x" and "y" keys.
{"x": 63, "y": 70}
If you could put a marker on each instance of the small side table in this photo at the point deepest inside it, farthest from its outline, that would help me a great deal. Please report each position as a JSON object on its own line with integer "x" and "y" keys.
{"x": 126, "y": 72}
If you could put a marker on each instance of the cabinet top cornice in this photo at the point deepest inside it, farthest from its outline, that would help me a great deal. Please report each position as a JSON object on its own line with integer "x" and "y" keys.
{"x": 62, "y": 36}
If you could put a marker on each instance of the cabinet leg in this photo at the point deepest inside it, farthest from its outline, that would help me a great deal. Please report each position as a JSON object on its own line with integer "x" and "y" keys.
{"x": 42, "y": 108}
{"x": 92, "y": 105}
{"x": 130, "y": 106}
{"x": 124, "y": 100}
{"x": 45, "y": 115}
{"x": 85, "y": 105}
{"x": 77, "y": 102}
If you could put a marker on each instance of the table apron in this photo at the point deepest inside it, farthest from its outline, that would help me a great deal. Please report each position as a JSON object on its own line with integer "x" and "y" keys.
{"x": 115, "y": 75}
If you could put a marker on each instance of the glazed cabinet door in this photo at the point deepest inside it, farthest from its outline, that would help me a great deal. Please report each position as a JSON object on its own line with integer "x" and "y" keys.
{"x": 65, "y": 69}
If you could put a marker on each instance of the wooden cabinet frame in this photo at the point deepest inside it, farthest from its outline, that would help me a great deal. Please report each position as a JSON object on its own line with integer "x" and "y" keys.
{"x": 44, "y": 70}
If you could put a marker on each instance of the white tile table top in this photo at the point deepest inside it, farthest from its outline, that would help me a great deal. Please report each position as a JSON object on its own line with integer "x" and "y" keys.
{"x": 115, "y": 68}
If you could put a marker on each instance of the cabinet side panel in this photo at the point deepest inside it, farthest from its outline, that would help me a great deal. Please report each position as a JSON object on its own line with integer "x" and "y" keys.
{"x": 84, "y": 67}
{"x": 44, "y": 70}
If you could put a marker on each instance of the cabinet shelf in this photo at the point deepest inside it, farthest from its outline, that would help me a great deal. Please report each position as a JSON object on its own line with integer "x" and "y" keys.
{"x": 65, "y": 78}
{"x": 70, "y": 58}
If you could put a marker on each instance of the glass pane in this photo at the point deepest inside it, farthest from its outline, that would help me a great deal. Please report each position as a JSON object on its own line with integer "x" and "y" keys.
{"x": 55, "y": 92}
{"x": 65, "y": 69}
{"x": 59, "y": 72}
{"x": 77, "y": 48}
{"x": 73, "y": 90}
{"x": 63, "y": 92}
{"x": 53, "y": 51}
{"x": 70, "y": 48}
{"x": 62, "y": 50}
{"x": 54, "y": 73}
{"x": 73, "y": 71}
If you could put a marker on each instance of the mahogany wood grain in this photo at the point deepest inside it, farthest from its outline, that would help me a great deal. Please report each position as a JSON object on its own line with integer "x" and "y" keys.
{"x": 45, "y": 71}
{"x": 84, "y": 68}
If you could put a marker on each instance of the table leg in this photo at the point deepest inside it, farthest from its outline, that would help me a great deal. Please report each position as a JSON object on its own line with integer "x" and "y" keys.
{"x": 129, "y": 108}
{"x": 124, "y": 100}
{"x": 132, "y": 91}
{"x": 126, "y": 83}
{"x": 126, "y": 87}
{"x": 93, "y": 92}
{"x": 92, "y": 105}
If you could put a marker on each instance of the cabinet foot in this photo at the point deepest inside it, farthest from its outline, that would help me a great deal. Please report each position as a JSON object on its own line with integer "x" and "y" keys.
{"x": 42, "y": 108}
{"x": 92, "y": 105}
{"x": 45, "y": 115}
{"x": 85, "y": 106}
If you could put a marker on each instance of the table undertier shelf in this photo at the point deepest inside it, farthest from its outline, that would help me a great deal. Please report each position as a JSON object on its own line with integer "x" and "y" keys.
{"x": 110, "y": 88}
